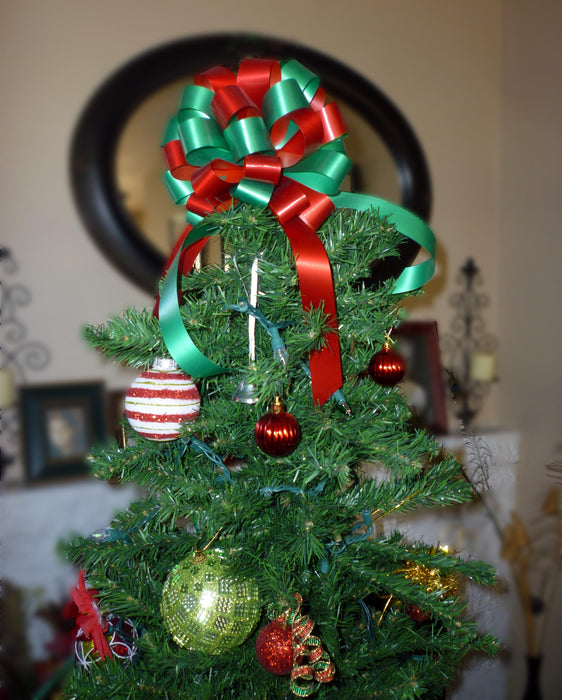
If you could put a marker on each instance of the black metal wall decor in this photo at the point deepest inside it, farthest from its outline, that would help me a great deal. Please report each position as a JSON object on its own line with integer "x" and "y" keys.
{"x": 469, "y": 350}
{"x": 18, "y": 354}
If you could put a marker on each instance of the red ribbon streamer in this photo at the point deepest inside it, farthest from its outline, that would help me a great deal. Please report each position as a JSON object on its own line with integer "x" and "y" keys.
{"x": 90, "y": 620}
{"x": 299, "y": 210}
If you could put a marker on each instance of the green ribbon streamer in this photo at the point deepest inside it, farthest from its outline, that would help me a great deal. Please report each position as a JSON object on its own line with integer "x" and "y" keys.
{"x": 414, "y": 276}
{"x": 178, "y": 340}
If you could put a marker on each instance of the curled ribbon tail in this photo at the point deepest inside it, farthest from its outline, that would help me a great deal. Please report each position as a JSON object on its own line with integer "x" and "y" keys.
{"x": 310, "y": 661}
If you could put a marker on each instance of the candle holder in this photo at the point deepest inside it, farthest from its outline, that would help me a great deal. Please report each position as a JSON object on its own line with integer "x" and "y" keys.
{"x": 469, "y": 350}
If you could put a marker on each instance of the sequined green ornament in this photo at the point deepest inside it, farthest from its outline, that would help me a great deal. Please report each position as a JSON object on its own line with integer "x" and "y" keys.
{"x": 205, "y": 607}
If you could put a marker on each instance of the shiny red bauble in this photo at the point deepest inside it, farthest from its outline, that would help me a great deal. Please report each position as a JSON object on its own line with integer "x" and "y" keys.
{"x": 277, "y": 433}
{"x": 416, "y": 614}
{"x": 274, "y": 648}
{"x": 387, "y": 367}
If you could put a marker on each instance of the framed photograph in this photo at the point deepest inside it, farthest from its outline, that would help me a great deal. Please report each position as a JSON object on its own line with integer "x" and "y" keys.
{"x": 60, "y": 423}
{"x": 418, "y": 343}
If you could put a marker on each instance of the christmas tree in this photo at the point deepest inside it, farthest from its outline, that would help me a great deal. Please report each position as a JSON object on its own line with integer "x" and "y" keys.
{"x": 255, "y": 565}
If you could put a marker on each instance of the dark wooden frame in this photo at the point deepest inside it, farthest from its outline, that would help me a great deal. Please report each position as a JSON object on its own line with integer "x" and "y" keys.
{"x": 425, "y": 369}
{"x": 81, "y": 411}
{"x": 95, "y": 139}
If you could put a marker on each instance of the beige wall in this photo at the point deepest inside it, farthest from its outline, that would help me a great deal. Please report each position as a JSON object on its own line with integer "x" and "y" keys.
{"x": 529, "y": 254}
{"x": 476, "y": 80}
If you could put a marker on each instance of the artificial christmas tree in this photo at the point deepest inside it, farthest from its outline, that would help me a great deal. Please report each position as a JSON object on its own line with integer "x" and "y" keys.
{"x": 252, "y": 572}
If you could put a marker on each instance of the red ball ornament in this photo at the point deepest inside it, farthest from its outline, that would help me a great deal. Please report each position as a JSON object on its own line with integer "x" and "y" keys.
{"x": 277, "y": 433}
{"x": 416, "y": 614}
{"x": 387, "y": 367}
{"x": 274, "y": 648}
{"x": 160, "y": 400}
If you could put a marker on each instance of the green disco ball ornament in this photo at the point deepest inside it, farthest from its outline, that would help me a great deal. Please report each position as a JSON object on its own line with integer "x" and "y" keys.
{"x": 207, "y": 609}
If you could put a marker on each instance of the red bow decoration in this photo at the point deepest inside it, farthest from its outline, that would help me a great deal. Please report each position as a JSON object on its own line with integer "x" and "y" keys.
{"x": 90, "y": 620}
{"x": 264, "y": 136}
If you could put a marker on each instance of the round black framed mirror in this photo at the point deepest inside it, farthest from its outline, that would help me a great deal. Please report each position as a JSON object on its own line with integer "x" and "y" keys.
{"x": 93, "y": 152}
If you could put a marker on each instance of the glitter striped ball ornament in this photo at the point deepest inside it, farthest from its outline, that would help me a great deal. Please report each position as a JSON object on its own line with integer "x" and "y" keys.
{"x": 160, "y": 400}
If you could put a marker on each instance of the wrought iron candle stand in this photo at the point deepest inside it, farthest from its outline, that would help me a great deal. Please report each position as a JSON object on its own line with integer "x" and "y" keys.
{"x": 18, "y": 354}
{"x": 469, "y": 350}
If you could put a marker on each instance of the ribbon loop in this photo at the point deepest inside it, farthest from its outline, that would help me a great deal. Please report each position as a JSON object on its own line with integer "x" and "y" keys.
{"x": 175, "y": 159}
{"x": 248, "y": 136}
{"x": 202, "y": 140}
{"x": 215, "y": 78}
{"x": 257, "y": 75}
{"x": 179, "y": 189}
{"x": 308, "y": 81}
{"x": 230, "y": 102}
{"x": 196, "y": 101}
{"x": 282, "y": 99}
{"x": 262, "y": 168}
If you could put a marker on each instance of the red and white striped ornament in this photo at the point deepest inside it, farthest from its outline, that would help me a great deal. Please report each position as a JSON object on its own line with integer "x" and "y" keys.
{"x": 160, "y": 400}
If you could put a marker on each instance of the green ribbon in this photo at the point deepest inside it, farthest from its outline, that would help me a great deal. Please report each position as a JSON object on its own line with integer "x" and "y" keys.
{"x": 178, "y": 340}
{"x": 414, "y": 276}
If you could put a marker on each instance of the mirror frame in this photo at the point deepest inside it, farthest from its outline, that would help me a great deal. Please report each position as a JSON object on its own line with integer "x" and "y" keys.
{"x": 97, "y": 132}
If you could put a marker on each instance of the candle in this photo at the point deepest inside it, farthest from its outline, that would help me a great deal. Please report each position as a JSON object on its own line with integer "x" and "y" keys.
{"x": 7, "y": 388}
{"x": 482, "y": 367}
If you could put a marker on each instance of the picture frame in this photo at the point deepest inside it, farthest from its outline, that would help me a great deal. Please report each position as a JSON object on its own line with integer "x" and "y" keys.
{"x": 418, "y": 344}
{"x": 60, "y": 424}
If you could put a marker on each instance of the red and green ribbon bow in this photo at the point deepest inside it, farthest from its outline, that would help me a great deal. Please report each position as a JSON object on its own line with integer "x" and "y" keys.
{"x": 266, "y": 136}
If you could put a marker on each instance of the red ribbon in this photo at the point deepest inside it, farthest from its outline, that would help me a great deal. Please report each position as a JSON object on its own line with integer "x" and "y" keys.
{"x": 90, "y": 620}
{"x": 299, "y": 209}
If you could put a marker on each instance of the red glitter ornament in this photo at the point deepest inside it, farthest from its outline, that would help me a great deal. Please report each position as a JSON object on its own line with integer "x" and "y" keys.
{"x": 277, "y": 433}
{"x": 387, "y": 367}
{"x": 416, "y": 614}
{"x": 274, "y": 648}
